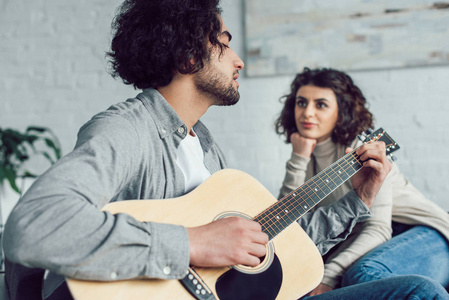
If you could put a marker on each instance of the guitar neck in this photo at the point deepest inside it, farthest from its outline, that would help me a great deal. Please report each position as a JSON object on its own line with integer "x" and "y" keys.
{"x": 298, "y": 202}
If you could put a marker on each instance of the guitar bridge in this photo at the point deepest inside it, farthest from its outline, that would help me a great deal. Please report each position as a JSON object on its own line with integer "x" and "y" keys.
{"x": 196, "y": 286}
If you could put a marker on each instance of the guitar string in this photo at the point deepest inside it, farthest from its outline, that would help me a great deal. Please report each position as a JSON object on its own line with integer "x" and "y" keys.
{"x": 275, "y": 214}
{"x": 325, "y": 172}
{"x": 286, "y": 204}
{"x": 267, "y": 216}
{"x": 338, "y": 164}
{"x": 305, "y": 194}
{"x": 271, "y": 217}
{"x": 311, "y": 190}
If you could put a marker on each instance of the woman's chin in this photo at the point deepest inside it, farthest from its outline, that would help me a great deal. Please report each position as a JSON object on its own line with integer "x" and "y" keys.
{"x": 308, "y": 134}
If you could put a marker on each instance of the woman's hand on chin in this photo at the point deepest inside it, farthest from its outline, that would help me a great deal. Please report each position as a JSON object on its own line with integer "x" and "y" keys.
{"x": 301, "y": 145}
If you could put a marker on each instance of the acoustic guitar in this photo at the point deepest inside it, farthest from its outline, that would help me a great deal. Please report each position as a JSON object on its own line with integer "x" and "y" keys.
{"x": 292, "y": 266}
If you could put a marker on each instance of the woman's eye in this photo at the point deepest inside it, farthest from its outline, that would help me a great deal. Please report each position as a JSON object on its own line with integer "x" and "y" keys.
{"x": 322, "y": 105}
{"x": 301, "y": 104}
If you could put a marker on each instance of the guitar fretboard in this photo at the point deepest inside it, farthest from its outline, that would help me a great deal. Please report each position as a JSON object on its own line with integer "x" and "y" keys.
{"x": 297, "y": 203}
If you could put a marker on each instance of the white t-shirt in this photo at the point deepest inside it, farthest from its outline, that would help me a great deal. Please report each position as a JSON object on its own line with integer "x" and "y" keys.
{"x": 190, "y": 159}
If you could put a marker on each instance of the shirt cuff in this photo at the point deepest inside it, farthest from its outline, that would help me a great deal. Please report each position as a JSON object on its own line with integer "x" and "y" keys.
{"x": 351, "y": 205}
{"x": 329, "y": 225}
{"x": 170, "y": 255}
{"x": 298, "y": 161}
{"x": 331, "y": 280}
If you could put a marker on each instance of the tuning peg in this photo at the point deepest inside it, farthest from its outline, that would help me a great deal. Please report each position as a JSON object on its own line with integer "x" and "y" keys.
{"x": 361, "y": 137}
{"x": 392, "y": 157}
{"x": 364, "y": 135}
{"x": 368, "y": 131}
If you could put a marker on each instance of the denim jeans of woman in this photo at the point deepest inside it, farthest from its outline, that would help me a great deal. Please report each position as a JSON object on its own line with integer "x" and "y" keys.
{"x": 401, "y": 287}
{"x": 414, "y": 264}
{"x": 419, "y": 250}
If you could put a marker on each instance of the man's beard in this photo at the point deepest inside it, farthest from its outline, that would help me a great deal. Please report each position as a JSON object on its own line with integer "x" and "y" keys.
{"x": 210, "y": 82}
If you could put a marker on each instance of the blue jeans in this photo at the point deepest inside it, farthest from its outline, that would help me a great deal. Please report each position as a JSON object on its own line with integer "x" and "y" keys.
{"x": 417, "y": 251}
{"x": 412, "y": 287}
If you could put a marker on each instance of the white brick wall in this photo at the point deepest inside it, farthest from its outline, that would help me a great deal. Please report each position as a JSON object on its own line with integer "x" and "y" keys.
{"x": 411, "y": 104}
{"x": 53, "y": 73}
{"x": 52, "y": 65}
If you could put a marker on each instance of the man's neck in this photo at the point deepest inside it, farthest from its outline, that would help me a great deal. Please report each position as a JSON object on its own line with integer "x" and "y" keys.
{"x": 187, "y": 102}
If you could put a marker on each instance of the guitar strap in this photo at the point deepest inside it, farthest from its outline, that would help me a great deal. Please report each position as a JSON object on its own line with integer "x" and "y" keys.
{"x": 193, "y": 283}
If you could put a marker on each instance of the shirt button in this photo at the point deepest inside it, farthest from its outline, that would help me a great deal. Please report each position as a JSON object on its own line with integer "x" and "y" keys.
{"x": 114, "y": 275}
{"x": 163, "y": 131}
{"x": 167, "y": 270}
{"x": 181, "y": 130}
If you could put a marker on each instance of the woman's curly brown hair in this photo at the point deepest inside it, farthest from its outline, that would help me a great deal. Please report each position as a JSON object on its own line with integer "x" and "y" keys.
{"x": 353, "y": 114}
{"x": 153, "y": 39}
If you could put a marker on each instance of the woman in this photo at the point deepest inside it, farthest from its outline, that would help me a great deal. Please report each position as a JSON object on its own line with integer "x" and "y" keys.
{"x": 322, "y": 116}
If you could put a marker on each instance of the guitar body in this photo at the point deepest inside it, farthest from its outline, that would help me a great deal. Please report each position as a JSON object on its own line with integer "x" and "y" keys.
{"x": 290, "y": 272}
{"x": 292, "y": 265}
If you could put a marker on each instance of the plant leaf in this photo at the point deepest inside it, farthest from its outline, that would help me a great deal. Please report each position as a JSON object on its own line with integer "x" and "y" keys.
{"x": 17, "y": 147}
{"x": 36, "y": 128}
{"x": 50, "y": 143}
{"x": 11, "y": 176}
{"x": 28, "y": 174}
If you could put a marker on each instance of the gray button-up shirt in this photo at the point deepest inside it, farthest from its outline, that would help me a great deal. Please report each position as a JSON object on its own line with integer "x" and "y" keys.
{"x": 127, "y": 152}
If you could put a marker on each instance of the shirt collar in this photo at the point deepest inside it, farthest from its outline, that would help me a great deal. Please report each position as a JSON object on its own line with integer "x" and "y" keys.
{"x": 167, "y": 120}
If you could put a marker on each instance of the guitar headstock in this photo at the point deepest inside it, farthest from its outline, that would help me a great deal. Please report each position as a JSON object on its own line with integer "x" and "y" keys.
{"x": 382, "y": 136}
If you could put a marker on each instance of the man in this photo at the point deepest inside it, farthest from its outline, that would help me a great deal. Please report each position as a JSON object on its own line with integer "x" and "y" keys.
{"x": 153, "y": 147}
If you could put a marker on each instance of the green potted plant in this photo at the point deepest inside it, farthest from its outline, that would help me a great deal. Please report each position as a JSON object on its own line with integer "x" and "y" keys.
{"x": 16, "y": 148}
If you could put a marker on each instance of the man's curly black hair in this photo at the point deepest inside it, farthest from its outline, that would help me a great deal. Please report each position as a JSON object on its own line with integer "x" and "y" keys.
{"x": 353, "y": 114}
{"x": 154, "y": 38}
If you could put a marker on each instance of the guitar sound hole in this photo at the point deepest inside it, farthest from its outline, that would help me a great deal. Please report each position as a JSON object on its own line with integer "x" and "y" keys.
{"x": 235, "y": 285}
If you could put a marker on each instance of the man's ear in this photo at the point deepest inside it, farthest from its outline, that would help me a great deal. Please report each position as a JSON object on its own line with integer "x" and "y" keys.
{"x": 187, "y": 66}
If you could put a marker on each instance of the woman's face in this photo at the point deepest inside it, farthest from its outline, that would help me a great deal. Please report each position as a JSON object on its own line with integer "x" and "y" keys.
{"x": 316, "y": 112}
